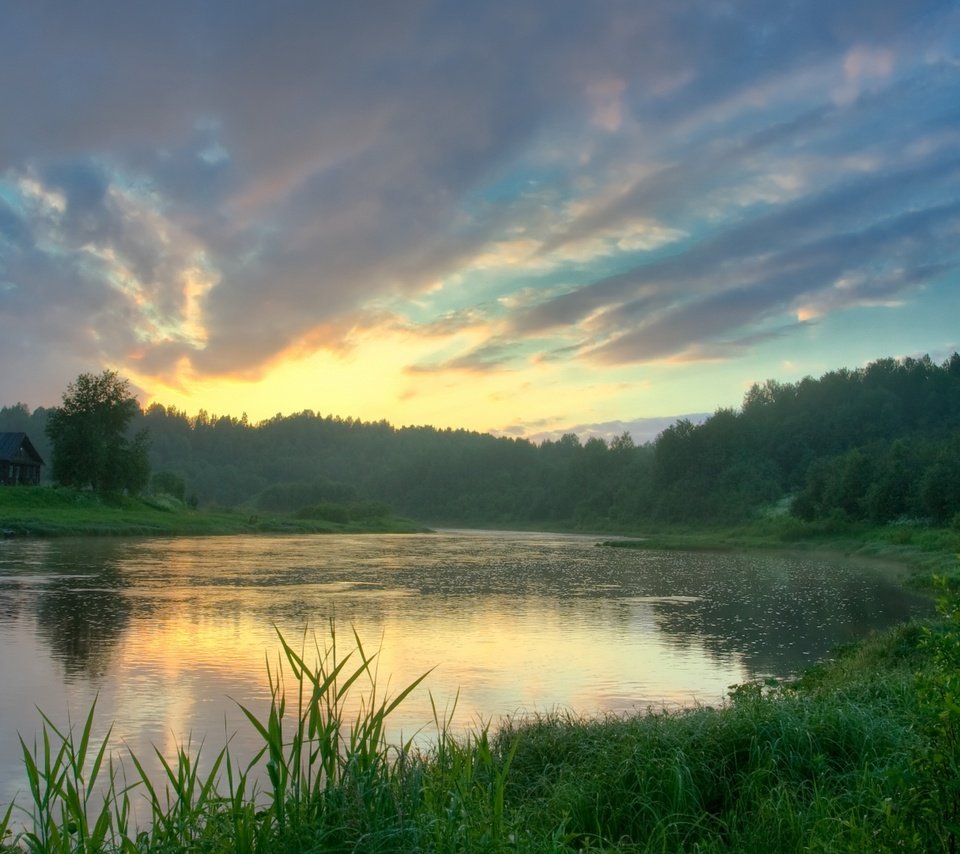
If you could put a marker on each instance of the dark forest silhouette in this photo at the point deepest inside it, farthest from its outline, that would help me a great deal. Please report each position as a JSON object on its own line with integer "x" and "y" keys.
{"x": 879, "y": 443}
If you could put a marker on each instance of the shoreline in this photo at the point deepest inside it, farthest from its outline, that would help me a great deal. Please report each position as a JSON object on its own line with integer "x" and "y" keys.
{"x": 42, "y": 512}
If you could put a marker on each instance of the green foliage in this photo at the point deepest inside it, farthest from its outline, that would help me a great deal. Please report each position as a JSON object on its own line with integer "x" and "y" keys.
{"x": 876, "y": 444}
{"x": 940, "y": 486}
{"x": 910, "y": 478}
{"x": 304, "y": 460}
{"x": 287, "y": 497}
{"x": 89, "y": 434}
{"x": 63, "y": 778}
{"x": 344, "y": 513}
{"x": 169, "y": 483}
{"x": 937, "y": 766}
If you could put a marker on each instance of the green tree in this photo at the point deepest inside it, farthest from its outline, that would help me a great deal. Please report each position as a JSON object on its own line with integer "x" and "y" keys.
{"x": 89, "y": 433}
{"x": 940, "y": 488}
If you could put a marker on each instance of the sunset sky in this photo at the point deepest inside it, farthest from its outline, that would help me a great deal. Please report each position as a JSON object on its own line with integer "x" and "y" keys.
{"x": 518, "y": 217}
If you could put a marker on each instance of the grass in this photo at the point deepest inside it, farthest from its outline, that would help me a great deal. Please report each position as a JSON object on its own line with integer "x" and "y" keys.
{"x": 861, "y": 753}
{"x": 51, "y": 511}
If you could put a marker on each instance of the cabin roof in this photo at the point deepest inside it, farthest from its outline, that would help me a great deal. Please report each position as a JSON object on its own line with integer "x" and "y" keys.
{"x": 17, "y": 446}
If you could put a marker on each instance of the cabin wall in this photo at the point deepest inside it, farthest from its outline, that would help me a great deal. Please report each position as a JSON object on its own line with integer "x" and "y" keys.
{"x": 19, "y": 474}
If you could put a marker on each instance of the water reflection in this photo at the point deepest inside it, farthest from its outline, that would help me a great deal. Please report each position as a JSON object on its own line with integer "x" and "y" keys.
{"x": 777, "y": 613}
{"x": 169, "y": 633}
{"x": 83, "y": 619}
{"x": 76, "y": 597}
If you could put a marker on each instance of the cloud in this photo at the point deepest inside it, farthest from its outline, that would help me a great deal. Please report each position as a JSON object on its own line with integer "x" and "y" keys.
{"x": 793, "y": 256}
{"x": 494, "y": 355}
{"x": 206, "y": 190}
{"x": 641, "y": 430}
{"x": 862, "y": 66}
{"x": 606, "y": 100}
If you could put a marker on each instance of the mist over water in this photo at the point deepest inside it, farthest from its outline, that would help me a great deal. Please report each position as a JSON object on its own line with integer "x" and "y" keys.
{"x": 169, "y": 634}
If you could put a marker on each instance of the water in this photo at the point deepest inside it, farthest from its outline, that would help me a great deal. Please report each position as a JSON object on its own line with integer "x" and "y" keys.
{"x": 167, "y": 634}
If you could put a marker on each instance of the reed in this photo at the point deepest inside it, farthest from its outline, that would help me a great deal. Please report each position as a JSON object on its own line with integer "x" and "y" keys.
{"x": 70, "y": 813}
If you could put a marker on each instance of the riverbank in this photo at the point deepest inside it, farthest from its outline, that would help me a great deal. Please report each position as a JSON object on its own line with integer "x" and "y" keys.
{"x": 53, "y": 512}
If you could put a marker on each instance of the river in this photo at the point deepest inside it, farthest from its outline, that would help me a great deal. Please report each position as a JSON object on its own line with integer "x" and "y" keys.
{"x": 168, "y": 635}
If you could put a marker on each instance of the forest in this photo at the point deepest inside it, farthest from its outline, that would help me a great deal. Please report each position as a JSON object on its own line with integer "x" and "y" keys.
{"x": 879, "y": 443}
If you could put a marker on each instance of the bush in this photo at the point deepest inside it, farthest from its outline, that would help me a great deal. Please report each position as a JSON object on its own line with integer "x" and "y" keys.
{"x": 169, "y": 483}
{"x": 325, "y": 512}
{"x": 288, "y": 497}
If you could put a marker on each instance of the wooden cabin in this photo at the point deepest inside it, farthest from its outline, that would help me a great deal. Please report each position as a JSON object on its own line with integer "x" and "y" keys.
{"x": 19, "y": 461}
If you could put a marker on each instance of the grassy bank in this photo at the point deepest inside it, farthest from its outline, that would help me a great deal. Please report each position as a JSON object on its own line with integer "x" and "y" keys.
{"x": 860, "y": 754}
{"x": 49, "y": 512}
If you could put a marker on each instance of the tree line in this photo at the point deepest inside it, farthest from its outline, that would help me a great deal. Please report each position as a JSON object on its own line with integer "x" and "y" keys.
{"x": 879, "y": 443}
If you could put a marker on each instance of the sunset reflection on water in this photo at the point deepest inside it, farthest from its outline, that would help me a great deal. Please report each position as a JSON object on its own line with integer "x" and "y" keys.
{"x": 170, "y": 634}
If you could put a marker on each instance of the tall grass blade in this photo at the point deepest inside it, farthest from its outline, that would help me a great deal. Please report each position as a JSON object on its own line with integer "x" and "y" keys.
{"x": 5, "y": 825}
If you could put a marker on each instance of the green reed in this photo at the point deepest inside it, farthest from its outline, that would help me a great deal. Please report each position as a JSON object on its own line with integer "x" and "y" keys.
{"x": 328, "y": 767}
{"x": 63, "y": 776}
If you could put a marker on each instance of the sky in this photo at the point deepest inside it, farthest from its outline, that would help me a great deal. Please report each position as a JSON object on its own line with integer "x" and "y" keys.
{"x": 518, "y": 217}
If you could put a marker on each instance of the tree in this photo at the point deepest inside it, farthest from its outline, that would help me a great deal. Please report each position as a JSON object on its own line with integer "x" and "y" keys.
{"x": 92, "y": 447}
